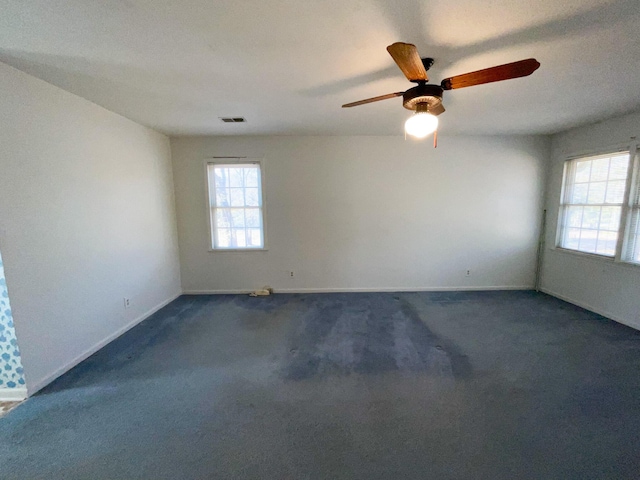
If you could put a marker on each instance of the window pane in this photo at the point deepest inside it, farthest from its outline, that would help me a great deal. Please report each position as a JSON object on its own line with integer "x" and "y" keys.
{"x": 251, "y": 177}
{"x": 254, "y": 237}
{"x": 599, "y": 170}
{"x": 583, "y": 171}
{"x": 237, "y": 217}
{"x": 591, "y": 217}
{"x": 619, "y": 166}
{"x": 222, "y": 177}
{"x": 223, "y": 218}
{"x": 574, "y": 216}
{"x": 222, "y": 197}
{"x": 252, "y": 217}
{"x": 572, "y": 238}
{"x": 579, "y": 193}
{"x": 237, "y": 197}
{"x": 224, "y": 237}
{"x": 610, "y": 218}
{"x": 236, "y": 175}
{"x": 607, "y": 243}
{"x": 588, "y": 240}
{"x": 252, "y": 197}
{"x": 596, "y": 192}
{"x": 238, "y": 238}
{"x": 615, "y": 191}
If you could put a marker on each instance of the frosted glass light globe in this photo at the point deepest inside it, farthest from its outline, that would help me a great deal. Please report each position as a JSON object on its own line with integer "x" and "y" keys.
{"x": 421, "y": 124}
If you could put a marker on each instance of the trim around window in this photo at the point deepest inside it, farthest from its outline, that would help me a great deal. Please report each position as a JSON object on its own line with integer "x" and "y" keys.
{"x": 594, "y": 258}
{"x": 210, "y": 203}
{"x": 598, "y": 206}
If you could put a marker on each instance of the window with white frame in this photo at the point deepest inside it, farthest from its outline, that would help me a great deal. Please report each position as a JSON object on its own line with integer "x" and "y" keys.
{"x": 592, "y": 203}
{"x": 632, "y": 243}
{"x": 236, "y": 210}
{"x": 600, "y": 206}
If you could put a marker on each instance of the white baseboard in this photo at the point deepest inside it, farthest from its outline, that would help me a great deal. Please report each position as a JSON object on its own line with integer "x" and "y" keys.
{"x": 366, "y": 290}
{"x": 43, "y": 382}
{"x": 217, "y": 292}
{"x": 13, "y": 394}
{"x": 591, "y": 308}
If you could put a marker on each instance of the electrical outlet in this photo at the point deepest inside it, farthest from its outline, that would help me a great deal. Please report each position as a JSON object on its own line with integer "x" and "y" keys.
{"x": 127, "y": 302}
{"x": 468, "y": 273}
{"x": 291, "y": 273}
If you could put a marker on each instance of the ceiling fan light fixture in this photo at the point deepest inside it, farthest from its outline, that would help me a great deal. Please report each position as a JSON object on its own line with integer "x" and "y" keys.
{"x": 426, "y": 98}
{"x": 421, "y": 124}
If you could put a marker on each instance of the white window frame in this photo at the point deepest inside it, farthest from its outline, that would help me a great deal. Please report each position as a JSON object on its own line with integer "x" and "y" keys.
{"x": 209, "y": 202}
{"x": 625, "y": 216}
{"x": 632, "y": 193}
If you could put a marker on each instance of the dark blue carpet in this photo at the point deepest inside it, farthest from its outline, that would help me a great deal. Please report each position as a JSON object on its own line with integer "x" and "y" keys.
{"x": 495, "y": 385}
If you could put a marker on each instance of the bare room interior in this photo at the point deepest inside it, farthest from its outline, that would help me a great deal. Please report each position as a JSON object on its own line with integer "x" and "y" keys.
{"x": 342, "y": 239}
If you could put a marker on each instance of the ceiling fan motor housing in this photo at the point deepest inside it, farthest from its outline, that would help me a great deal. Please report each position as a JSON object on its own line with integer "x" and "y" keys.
{"x": 423, "y": 93}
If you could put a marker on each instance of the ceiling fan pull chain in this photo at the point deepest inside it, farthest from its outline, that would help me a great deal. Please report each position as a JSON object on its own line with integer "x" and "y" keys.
{"x": 435, "y": 139}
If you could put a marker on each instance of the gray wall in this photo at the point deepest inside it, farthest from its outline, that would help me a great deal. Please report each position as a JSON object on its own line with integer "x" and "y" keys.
{"x": 372, "y": 213}
{"x": 87, "y": 217}
{"x": 598, "y": 284}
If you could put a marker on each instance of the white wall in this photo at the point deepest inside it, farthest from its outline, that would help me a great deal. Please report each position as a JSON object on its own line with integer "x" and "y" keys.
{"x": 611, "y": 289}
{"x": 86, "y": 218}
{"x": 372, "y": 213}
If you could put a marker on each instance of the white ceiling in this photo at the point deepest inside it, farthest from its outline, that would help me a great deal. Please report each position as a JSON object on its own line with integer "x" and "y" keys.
{"x": 288, "y": 65}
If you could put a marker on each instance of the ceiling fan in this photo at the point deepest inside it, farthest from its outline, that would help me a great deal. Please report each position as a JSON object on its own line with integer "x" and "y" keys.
{"x": 426, "y": 99}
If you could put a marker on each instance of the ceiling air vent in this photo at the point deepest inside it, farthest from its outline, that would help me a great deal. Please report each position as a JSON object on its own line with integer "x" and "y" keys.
{"x": 232, "y": 119}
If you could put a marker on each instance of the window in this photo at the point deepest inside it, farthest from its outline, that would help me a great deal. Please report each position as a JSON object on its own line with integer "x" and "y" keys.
{"x": 632, "y": 249}
{"x": 236, "y": 211}
{"x": 592, "y": 203}
{"x": 600, "y": 206}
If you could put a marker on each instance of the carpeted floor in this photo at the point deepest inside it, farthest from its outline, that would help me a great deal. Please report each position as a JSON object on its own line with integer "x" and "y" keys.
{"x": 483, "y": 385}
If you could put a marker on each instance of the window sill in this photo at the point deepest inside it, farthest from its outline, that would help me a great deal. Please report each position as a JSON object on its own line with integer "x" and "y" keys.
{"x": 594, "y": 257}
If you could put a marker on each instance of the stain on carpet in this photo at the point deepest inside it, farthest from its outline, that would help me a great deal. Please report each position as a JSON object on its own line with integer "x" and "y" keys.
{"x": 6, "y": 407}
{"x": 366, "y": 334}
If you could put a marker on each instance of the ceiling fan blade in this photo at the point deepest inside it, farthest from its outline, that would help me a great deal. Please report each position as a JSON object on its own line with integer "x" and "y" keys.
{"x": 437, "y": 110}
{"x": 493, "y": 74}
{"x": 407, "y": 58}
{"x": 374, "y": 99}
